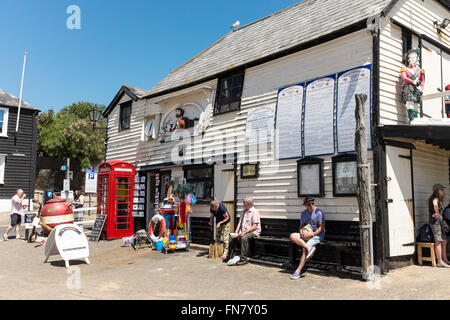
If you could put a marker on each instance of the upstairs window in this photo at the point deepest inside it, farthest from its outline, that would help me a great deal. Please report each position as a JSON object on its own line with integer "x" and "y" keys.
{"x": 125, "y": 116}
{"x": 4, "y": 122}
{"x": 229, "y": 94}
{"x": 406, "y": 43}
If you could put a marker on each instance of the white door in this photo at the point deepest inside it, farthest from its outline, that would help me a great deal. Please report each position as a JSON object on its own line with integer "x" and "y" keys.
{"x": 400, "y": 202}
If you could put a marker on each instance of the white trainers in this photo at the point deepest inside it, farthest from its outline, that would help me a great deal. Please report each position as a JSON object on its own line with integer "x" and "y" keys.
{"x": 233, "y": 261}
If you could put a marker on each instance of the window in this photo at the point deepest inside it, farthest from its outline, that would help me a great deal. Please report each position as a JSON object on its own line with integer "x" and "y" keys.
{"x": 165, "y": 184}
{"x": 229, "y": 93}
{"x": 125, "y": 116}
{"x": 310, "y": 177}
{"x": 345, "y": 180}
{"x": 406, "y": 43}
{"x": 4, "y": 112}
{"x": 249, "y": 171}
{"x": 200, "y": 179}
{"x": 2, "y": 168}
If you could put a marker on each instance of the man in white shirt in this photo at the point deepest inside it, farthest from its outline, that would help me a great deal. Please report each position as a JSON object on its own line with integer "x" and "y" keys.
{"x": 16, "y": 213}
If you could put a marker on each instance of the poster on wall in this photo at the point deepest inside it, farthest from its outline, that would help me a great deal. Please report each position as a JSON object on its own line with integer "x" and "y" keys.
{"x": 355, "y": 81}
{"x": 260, "y": 125}
{"x": 288, "y": 122}
{"x": 319, "y": 117}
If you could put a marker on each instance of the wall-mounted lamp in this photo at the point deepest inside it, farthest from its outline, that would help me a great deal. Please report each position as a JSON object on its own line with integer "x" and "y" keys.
{"x": 441, "y": 26}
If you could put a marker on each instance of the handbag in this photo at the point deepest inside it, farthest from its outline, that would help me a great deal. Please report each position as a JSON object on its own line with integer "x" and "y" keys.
{"x": 193, "y": 199}
{"x": 444, "y": 226}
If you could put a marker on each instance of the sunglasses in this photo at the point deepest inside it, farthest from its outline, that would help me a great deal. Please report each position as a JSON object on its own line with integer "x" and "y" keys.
{"x": 309, "y": 204}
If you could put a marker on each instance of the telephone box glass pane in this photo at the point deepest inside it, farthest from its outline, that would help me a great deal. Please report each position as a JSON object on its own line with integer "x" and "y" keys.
{"x": 123, "y": 203}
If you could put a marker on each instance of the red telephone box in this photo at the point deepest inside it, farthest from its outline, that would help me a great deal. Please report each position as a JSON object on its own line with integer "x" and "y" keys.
{"x": 115, "y": 198}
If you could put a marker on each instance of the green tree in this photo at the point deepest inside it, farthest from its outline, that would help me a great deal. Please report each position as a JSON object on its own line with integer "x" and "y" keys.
{"x": 69, "y": 134}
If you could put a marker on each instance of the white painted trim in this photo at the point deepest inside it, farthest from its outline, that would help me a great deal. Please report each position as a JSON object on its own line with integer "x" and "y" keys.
{"x": 5, "y": 122}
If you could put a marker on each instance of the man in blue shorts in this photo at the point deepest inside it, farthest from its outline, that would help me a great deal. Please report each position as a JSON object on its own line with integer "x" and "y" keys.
{"x": 315, "y": 218}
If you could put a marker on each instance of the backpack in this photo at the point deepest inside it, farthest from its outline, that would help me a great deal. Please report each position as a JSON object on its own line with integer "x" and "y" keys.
{"x": 425, "y": 234}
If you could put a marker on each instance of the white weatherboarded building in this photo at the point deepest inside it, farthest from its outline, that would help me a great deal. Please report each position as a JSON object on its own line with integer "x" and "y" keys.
{"x": 296, "y": 71}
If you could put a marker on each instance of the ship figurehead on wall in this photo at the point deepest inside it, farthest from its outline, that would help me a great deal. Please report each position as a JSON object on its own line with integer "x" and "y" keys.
{"x": 413, "y": 83}
{"x": 189, "y": 116}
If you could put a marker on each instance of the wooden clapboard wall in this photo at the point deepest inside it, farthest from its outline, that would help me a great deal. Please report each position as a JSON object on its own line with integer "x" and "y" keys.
{"x": 419, "y": 16}
{"x": 275, "y": 190}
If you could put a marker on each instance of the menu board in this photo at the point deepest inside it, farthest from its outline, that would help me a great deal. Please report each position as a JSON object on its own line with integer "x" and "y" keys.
{"x": 259, "y": 127}
{"x": 289, "y": 122}
{"x": 319, "y": 117}
{"x": 356, "y": 81}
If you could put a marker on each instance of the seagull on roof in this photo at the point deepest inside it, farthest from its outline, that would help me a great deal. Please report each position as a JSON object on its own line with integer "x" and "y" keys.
{"x": 236, "y": 25}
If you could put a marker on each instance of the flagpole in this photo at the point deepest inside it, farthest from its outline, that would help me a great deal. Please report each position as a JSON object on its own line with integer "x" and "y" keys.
{"x": 21, "y": 88}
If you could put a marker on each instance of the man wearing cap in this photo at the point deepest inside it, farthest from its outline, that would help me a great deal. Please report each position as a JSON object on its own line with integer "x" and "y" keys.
{"x": 315, "y": 218}
{"x": 435, "y": 206}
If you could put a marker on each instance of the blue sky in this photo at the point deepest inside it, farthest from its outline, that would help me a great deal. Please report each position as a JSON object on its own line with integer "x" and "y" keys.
{"x": 136, "y": 42}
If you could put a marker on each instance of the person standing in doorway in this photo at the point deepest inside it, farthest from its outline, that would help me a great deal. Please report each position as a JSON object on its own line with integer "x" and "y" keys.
{"x": 219, "y": 211}
{"x": 435, "y": 205}
{"x": 16, "y": 213}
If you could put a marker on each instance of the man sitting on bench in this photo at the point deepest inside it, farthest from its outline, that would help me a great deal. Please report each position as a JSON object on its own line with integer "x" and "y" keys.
{"x": 249, "y": 227}
{"x": 312, "y": 218}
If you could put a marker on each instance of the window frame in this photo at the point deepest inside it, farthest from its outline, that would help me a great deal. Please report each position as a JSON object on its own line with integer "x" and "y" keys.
{"x": 407, "y": 43}
{"x": 124, "y": 105}
{"x": 311, "y": 161}
{"x": 218, "y": 92}
{"x": 210, "y": 179}
{"x": 5, "y": 121}
{"x": 2, "y": 168}
{"x": 340, "y": 159}
{"x": 255, "y": 176}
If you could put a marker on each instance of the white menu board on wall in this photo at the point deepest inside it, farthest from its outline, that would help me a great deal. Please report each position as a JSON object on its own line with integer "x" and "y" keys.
{"x": 259, "y": 128}
{"x": 356, "y": 81}
{"x": 319, "y": 117}
{"x": 289, "y": 122}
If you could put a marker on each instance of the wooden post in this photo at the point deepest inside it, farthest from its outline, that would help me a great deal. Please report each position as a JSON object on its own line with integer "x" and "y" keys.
{"x": 363, "y": 183}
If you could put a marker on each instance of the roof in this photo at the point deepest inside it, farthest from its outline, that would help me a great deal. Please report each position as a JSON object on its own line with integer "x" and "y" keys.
{"x": 133, "y": 92}
{"x": 9, "y": 100}
{"x": 300, "y": 23}
{"x": 436, "y": 135}
{"x": 280, "y": 32}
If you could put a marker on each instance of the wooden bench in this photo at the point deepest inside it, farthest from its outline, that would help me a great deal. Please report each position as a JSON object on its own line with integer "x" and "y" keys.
{"x": 339, "y": 235}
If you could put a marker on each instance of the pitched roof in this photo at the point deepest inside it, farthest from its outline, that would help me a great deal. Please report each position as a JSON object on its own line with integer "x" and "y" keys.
{"x": 133, "y": 92}
{"x": 9, "y": 100}
{"x": 295, "y": 25}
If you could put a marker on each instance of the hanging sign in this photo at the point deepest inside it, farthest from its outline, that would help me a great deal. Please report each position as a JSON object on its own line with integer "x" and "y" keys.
{"x": 259, "y": 128}
{"x": 69, "y": 241}
{"x": 356, "y": 81}
{"x": 288, "y": 122}
{"x": 319, "y": 117}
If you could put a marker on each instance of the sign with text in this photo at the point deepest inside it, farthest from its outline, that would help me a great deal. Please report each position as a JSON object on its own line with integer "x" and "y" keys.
{"x": 259, "y": 128}
{"x": 69, "y": 241}
{"x": 319, "y": 117}
{"x": 350, "y": 83}
{"x": 98, "y": 227}
{"x": 288, "y": 122}
{"x": 66, "y": 185}
{"x": 90, "y": 185}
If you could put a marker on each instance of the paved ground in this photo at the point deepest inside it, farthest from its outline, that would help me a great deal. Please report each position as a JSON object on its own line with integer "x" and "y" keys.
{"x": 121, "y": 273}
